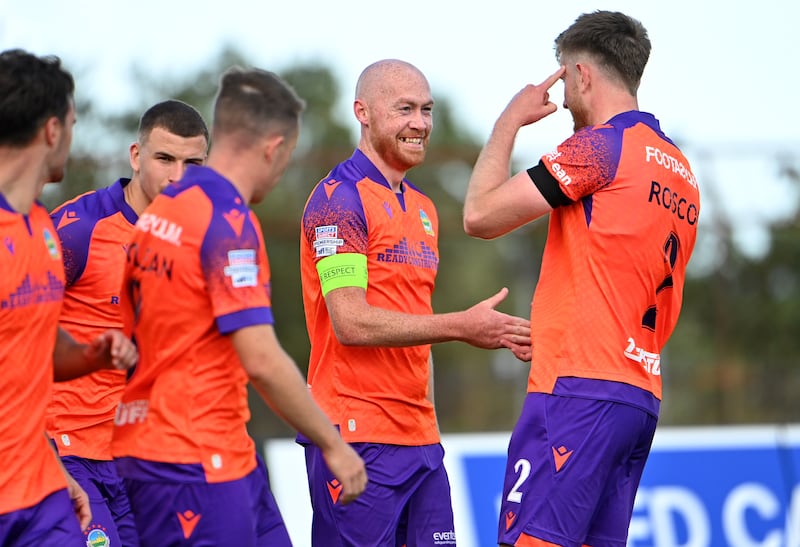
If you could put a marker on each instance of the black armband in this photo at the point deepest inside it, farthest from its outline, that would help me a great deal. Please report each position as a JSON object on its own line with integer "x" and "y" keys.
{"x": 548, "y": 186}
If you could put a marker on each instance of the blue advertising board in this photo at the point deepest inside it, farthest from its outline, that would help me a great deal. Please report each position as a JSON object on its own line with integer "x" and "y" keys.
{"x": 702, "y": 487}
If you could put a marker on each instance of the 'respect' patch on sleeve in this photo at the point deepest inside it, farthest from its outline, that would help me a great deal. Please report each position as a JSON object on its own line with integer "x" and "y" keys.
{"x": 342, "y": 270}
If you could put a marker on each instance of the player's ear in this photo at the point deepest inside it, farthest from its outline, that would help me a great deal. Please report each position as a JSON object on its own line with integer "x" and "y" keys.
{"x": 271, "y": 145}
{"x": 361, "y": 111}
{"x": 585, "y": 74}
{"x": 133, "y": 156}
{"x": 52, "y": 130}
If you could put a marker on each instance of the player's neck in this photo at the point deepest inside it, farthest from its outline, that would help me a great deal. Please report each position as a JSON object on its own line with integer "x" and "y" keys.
{"x": 236, "y": 167}
{"x": 613, "y": 105}
{"x": 393, "y": 176}
{"x": 21, "y": 178}
{"x": 134, "y": 196}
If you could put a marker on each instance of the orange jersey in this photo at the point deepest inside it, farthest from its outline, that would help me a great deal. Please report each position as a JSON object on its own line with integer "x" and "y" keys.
{"x": 196, "y": 271}
{"x": 375, "y": 394}
{"x": 93, "y": 229}
{"x": 612, "y": 274}
{"x": 31, "y": 293}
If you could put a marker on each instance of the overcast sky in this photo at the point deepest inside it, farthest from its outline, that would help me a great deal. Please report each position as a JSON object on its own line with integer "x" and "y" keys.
{"x": 722, "y": 78}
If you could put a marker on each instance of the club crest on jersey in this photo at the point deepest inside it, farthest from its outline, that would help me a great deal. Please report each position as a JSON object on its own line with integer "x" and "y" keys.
{"x": 96, "y": 536}
{"x": 426, "y": 222}
{"x": 242, "y": 268}
{"x": 326, "y": 240}
{"x": 52, "y": 246}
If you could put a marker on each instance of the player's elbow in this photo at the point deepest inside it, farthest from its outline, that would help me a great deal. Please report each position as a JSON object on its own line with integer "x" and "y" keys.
{"x": 348, "y": 333}
{"x": 477, "y": 225}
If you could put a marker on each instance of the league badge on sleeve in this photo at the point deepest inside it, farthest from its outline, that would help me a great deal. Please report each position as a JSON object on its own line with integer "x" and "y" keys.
{"x": 242, "y": 268}
{"x": 326, "y": 240}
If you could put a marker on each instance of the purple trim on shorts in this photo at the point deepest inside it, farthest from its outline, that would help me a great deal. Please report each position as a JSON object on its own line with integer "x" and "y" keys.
{"x": 607, "y": 390}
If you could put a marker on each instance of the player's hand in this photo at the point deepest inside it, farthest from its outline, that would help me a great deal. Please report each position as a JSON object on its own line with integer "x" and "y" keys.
{"x": 523, "y": 352}
{"x": 349, "y": 469}
{"x": 532, "y": 102}
{"x": 80, "y": 501}
{"x": 487, "y": 328}
{"x": 112, "y": 349}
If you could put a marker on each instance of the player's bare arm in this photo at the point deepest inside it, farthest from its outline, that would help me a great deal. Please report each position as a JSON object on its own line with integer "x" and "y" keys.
{"x": 496, "y": 204}
{"x": 110, "y": 350}
{"x": 277, "y": 379}
{"x": 358, "y": 323}
{"x": 79, "y": 497}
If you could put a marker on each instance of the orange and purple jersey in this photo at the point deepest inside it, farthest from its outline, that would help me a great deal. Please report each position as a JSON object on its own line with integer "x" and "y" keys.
{"x": 358, "y": 232}
{"x": 31, "y": 293}
{"x": 196, "y": 271}
{"x": 93, "y": 229}
{"x": 611, "y": 282}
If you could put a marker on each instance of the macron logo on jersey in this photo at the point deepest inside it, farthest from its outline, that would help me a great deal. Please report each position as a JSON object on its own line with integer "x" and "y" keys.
{"x": 161, "y": 228}
{"x": 242, "y": 268}
{"x": 235, "y": 218}
{"x": 67, "y": 218}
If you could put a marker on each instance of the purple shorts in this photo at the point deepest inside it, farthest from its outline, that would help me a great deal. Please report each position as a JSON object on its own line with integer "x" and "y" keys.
{"x": 573, "y": 469}
{"x": 241, "y": 512}
{"x": 406, "y": 502}
{"x": 112, "y": 518}
{"x": 52, "y": 521}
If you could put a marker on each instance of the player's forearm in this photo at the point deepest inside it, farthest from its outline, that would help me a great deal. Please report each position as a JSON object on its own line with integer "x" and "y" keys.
{"x": 284, "y": 390}
{"x": 491, "y": 170}
{"x": 374, "y": 326}
{"x": 69, "y": 358}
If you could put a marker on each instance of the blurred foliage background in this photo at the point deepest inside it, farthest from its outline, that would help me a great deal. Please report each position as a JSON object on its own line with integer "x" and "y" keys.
{"x": 732, "y": 359}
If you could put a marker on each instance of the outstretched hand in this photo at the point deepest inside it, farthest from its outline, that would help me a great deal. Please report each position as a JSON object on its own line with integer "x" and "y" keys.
{"x": 490, "y": 329}
{"x": 112, "y": 349}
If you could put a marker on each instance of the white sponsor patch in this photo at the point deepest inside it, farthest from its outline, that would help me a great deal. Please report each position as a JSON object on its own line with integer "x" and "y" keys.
{"x": 242, "y": 268}
{"x": 326, "y": 240}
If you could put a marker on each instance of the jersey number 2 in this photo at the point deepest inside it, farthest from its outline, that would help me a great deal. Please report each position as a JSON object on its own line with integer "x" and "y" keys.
{"x": 671, "y": 246}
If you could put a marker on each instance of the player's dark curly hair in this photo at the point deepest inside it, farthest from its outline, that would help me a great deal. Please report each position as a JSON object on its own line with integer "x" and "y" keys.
{"x": 32, "y": 90}
{"x": 617, "y": 42}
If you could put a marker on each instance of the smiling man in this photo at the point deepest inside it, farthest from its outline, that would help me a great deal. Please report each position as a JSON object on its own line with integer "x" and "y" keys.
{"x": 369, "y": 259}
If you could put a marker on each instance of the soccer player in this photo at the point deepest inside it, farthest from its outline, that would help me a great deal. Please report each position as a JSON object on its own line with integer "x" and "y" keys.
{"x": 196, "y": 291}
{"x": 623, "y": 206}
{"x": 39, "y": 501}
{"x": 369, "y": 258}
{"x": 94, "y": 229}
